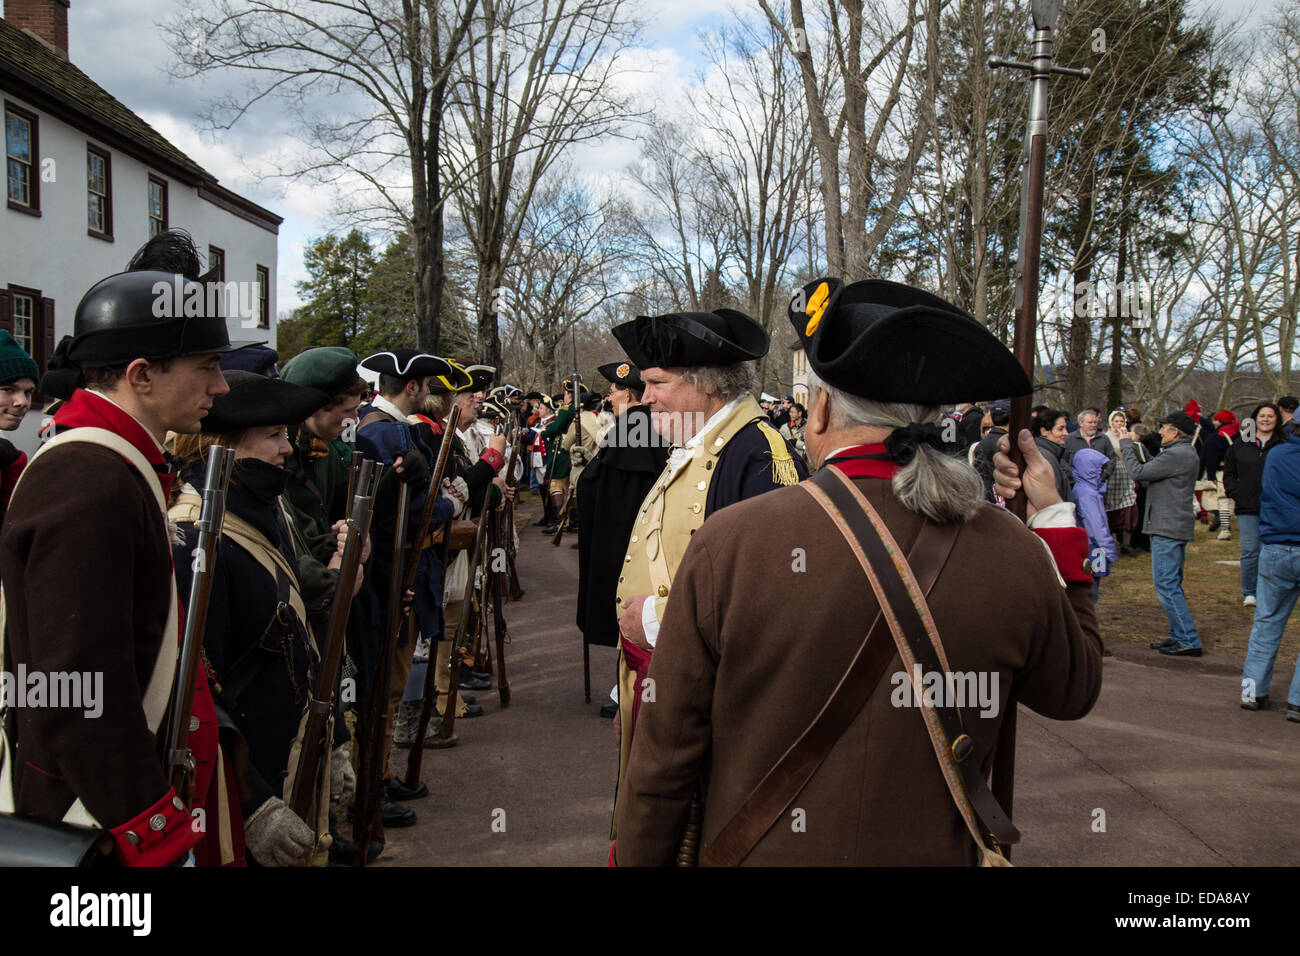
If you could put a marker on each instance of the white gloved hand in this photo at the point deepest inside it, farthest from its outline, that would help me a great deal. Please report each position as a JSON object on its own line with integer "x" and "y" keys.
{"x": 343, "y": 778}
{"x": 276, "y": 836}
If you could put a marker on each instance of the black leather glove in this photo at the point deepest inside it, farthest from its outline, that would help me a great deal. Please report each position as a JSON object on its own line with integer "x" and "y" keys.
{"x": 415, "y": 469}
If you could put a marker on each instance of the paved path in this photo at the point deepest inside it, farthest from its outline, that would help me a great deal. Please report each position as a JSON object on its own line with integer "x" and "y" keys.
{"x": 1181, "y": 773}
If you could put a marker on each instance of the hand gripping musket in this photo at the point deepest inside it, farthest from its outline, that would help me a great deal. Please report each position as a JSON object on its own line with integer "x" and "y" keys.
{"x": 570, "y": 497}
{"x": 317, "y": 739}
{"x": 406, "y": 562}
{"x": 178, "y": 757}
{"x": 1045, "y": 14}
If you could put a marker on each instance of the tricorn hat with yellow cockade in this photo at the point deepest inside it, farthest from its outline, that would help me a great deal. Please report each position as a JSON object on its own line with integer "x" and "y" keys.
{"x": 622, "y": 374}
{"x": 892, "y": 343}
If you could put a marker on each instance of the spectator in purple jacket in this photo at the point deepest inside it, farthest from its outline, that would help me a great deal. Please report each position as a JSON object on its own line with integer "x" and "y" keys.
{"x": 1089, "y": 493}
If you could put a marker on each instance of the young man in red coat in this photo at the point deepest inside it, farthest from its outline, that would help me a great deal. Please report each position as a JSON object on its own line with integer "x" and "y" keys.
{"x": 85, "y": 557}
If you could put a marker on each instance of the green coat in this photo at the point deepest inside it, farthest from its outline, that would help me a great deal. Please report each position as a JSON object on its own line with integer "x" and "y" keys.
{"x": 553, "y": 435}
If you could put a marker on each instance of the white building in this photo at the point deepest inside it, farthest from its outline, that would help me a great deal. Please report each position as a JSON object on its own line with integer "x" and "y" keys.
{"x": 88, "y": 182}
{"x": 799, "y": 371}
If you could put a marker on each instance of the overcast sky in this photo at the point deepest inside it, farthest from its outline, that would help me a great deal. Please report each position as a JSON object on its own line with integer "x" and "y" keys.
{"x": 118, "y": 43}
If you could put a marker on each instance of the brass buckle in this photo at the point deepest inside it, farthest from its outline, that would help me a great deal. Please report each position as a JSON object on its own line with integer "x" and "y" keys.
{"x": 962, "y": 747}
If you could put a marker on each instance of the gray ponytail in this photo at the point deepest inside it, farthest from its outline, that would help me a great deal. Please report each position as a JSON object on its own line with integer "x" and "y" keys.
{"x": 942, "y": 488}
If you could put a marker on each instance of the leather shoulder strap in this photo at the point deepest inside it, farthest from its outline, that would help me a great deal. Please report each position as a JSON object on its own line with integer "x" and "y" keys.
{"x": 777, "y": 790}
{"x": 921, "y": 650}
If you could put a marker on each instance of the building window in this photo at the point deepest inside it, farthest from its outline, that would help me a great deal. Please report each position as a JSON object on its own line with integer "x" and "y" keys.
{"x": 99, "y": 193}
{"x": 263, "y": 297}
{"x": 25, "y": 321}
{"x": 217, "y": 264}
{"x": 21, "y": 152}
{"x": 30, "y": 319}
{"x": 157, "y": 206}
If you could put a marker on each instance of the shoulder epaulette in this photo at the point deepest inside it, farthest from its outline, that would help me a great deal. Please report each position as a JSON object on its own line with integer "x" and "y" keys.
{"x": 783, "y": 470}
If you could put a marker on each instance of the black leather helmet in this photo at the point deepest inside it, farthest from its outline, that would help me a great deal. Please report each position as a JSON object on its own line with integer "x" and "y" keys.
{"x": 131, "y": 315}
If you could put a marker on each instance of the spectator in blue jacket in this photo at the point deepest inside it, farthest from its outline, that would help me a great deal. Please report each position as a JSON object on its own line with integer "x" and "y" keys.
{"x": 1278, "y": 585}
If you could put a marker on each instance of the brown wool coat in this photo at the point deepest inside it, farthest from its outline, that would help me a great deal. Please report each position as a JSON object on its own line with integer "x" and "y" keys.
{"x": 87, "y": 578}
{"x": 751, "y": 648}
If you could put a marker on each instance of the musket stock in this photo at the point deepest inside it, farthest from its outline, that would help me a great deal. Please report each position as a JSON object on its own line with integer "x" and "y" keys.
{"x": 178, "y": 758}
{"x": 316, "y": 739}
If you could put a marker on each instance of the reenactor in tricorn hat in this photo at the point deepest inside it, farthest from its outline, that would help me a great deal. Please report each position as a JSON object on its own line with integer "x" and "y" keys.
{"x": 389, "y": 433}
{"x": 742, "y": 670}
{"x": 89, "y": 589}
{"x": 698, "y": 370}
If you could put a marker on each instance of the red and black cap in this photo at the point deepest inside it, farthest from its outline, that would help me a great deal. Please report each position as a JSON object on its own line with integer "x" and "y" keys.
{"x": 692, "y": 339}
{"x": 892, "y": 343}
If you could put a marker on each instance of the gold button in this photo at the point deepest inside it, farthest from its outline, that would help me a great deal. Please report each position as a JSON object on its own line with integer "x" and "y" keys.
{"x": 696, "y": 507}
{"x": 628, "y": 559}
{"x": 634, "y": 539}
{"x": 663, "y": 590}
{"x": 157, "y": 821}
{"x": 717, "y": 441}
{"x": 701, "y": 486}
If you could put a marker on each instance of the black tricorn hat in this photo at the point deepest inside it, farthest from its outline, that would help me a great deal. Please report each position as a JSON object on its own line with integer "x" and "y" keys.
{"x": 692, "y": 339}
{"x": 131, "y": 315}
{"x": 407, "y": 363}
{"x": 255, "y": 400}
{"x": 893, "y": 343}
{"x": 623, "y": 374}
{"x": 481, "y": 376}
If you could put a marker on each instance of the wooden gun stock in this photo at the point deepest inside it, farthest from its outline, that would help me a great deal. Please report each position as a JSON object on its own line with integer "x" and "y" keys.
{"x": 316, "y": 742}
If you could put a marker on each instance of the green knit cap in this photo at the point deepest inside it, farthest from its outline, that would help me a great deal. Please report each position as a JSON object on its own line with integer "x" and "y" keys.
{"x": 14, "y": 362}
{"x": 331, "y": 369}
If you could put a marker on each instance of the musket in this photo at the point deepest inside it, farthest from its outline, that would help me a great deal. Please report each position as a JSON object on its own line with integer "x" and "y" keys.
{"x": 449, "y": 718}
{"x": 316, "y": 741}
{"x": 498, "y": 589}
{"x": 515, "y": 591}
{"x": 430, "y": 694}
{"x": 369, "y": 767}
{"x": 354, "y": 470}
{"x": 212, "y": 514}
{"x": 404, "y": 569}
{"x": 1045, "y": 14}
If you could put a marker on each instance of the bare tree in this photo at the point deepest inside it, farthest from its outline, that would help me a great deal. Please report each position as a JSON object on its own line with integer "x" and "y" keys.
{"x": 567, "y": 269}
{"x": 363, "y": 82}
{"x": 857, "y": 107}
{"x": 539, "y": 76}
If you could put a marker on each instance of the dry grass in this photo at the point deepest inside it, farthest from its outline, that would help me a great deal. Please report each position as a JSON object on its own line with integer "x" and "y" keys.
{"x": 1129, "y": 611}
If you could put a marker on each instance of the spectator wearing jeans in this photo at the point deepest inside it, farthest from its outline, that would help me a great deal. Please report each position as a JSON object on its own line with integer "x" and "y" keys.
{"x": 1279, "y": 575}
{"x": 1170, "y": 521}
{"x": 1243, "y": 468}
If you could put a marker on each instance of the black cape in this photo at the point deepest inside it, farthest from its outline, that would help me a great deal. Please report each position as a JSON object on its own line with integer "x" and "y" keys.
{"x": 610, "y": 491}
